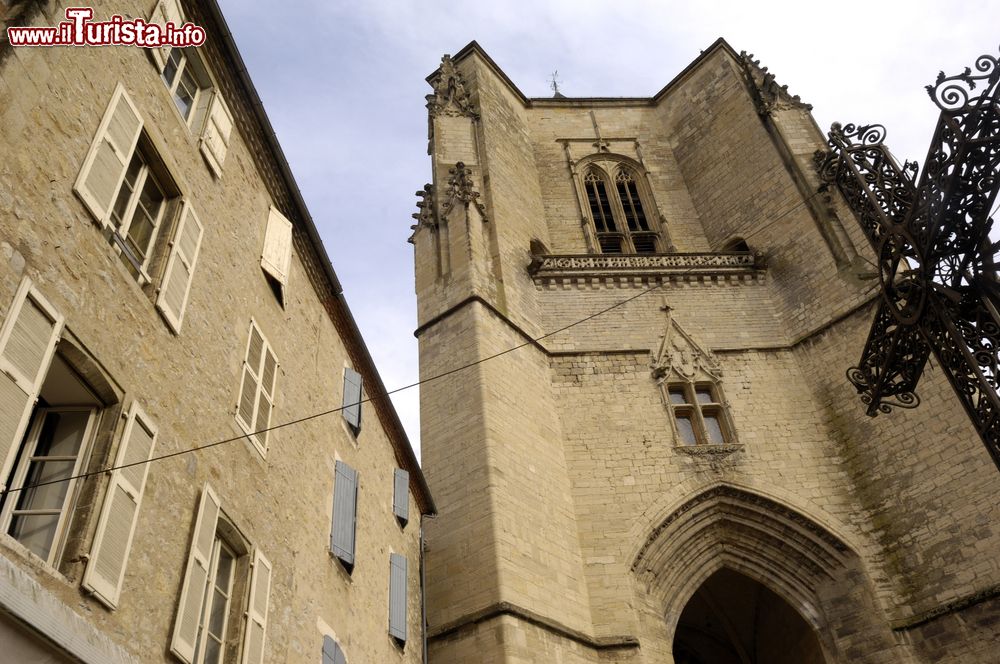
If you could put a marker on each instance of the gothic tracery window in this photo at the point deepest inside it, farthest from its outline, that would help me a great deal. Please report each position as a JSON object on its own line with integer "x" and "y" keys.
{"x": 617, "y": 211}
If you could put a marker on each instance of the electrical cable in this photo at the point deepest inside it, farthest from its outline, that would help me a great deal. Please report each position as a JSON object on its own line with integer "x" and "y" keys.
{"x": 306, "y": 418}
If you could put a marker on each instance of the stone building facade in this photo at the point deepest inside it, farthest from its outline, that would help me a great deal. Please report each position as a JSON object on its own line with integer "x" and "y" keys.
{"x": 165, "y": 297}
{"x": 687, "y": 476}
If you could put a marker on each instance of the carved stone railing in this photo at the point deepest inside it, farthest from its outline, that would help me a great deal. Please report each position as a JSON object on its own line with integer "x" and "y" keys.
{"x": 643, "y": 265}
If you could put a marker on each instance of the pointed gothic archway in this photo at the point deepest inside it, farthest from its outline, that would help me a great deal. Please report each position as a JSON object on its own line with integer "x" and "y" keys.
{"x": 807, "y": 569}
{"x": 732, "y": 619}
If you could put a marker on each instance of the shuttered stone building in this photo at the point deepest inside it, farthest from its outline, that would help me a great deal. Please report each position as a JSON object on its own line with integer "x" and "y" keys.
{"x": 163, "y": 289}
{"x": 688, "y": 476}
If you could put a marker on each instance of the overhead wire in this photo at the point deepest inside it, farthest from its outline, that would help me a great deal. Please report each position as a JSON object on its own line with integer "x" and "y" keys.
{"x": 324, "y": 413}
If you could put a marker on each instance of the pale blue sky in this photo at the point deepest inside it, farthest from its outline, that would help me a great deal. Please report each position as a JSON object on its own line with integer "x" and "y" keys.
{"x": 343, "y": 84}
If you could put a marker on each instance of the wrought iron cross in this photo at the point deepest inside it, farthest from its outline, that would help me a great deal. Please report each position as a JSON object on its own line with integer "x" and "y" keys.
{"x": 940, "y": 291}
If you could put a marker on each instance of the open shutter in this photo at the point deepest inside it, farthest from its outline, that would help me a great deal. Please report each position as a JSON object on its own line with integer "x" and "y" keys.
{"x": 173, "y": 296}
{"x": 27, "y": 342}
{"x": 260, "y": 588}
{"x": 265, "y": 397}
{"x": 332, "y": 652}
{"x": 345, "y": 503}
{"x": 196, "y": 577}
{"x": 352, "y": 398}
{"x": 109, "y": 154}
{"x": 277, "y": 255}
{"x": 165, "y": 10}
{"x": 215, "y": 138}
{"x": 397, "y": 596}
{"x": 116, "y": 524}
{"x": 245, "y": 407}
{"x": 401, "y": 495}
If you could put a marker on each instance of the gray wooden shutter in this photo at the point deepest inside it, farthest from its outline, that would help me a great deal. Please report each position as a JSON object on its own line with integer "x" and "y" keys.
{"x": 173, "y": 296}
{"x": 352, "y": 398}
{"x": 397, "y": 596}
{"x": 332, "y": 652}
{"x": 345, "y": 505}
{"x": 260, "y": 590}
{"x": 104, "y": 166}
{"x": 401, "y": 495}
{"x": 196, "y": 577}
{"x": 27, "y": 342}
{"x": 119, "y": 514}
{"x": 218, "y": 129}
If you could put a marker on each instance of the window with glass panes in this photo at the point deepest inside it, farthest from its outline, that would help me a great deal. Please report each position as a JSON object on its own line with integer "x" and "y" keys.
{"x": 181, "y": 79}
{"x": 617, "y": 211}
{"x": 218, "y": 599}
{"x": 698, "y": 413}
{"x": 137, "y": 215}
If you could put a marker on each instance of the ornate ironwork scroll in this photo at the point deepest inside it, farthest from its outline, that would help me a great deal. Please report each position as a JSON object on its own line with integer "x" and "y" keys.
{"x": 940, "y": 289}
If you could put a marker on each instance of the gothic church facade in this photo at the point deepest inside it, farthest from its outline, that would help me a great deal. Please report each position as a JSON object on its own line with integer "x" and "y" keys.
{"x": 687, "y": 476}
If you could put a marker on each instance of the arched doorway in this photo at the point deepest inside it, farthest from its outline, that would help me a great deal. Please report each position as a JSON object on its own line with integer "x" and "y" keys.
{"x": 732, "y": 619}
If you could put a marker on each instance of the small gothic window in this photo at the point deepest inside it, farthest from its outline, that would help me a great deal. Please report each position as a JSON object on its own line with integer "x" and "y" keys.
{"x": 698, "y": 413}
{"x": 617, "y": 212}
{"x": 736, "y": 244}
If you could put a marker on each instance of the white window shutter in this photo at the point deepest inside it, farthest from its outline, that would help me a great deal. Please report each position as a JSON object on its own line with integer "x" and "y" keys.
{"x": 260, "y": 588}
{"x": 104, "y": 166}
{"x": 397, "y": 596}
{"x": 265, "y": 396}
{"x": 164, "y": 11}
{"x": 173, "y": 296}
{"x": 27, "y": 342}
{"x": 119, "y": 514}
{"x": 245, "y": 408}
{"x": 401, "y": 495}
{"x": 277, "y": 255}
{"x": 218, "y": 129}
{"x": 195, "y": 577}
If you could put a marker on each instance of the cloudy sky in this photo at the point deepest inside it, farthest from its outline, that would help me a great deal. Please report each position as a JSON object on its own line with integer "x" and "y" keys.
{"x": 343, "y": 84}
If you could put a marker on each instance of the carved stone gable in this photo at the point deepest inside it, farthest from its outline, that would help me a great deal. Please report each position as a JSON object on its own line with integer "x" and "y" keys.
{"x": 450, "y": 96}
{"x": 461, "y": 187}
{"x": 767, "y": 94}
{"x": 680, "y": 356}
{"x": 426, "y": 214}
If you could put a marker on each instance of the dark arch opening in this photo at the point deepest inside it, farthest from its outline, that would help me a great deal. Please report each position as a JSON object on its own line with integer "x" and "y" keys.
{"x": 733, "y": 619}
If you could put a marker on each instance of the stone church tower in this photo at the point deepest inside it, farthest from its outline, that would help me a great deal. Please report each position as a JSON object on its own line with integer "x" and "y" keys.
{"x": 671, "y": 465}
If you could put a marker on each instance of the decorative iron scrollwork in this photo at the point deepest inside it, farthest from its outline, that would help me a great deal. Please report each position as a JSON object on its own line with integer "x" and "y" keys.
{"x": 940, "y": 288}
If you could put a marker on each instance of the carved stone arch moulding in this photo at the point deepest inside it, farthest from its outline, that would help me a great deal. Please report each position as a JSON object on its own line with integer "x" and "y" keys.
{"x": 725, "y": 526}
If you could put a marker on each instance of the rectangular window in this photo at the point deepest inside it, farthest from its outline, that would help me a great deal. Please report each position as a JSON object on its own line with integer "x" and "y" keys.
{"x": 699, "y": 416}
{"x": 256, "y": 400}
{"x": 345, "y": 511}
{"x": 276, "y": 256}
{"x": 131, "y": 195}
{"x": 351, "y": 406}
{"x": 208, "y": 614}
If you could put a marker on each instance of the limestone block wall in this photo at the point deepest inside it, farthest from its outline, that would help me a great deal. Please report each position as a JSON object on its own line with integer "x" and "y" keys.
{"x": 188, "y": 383}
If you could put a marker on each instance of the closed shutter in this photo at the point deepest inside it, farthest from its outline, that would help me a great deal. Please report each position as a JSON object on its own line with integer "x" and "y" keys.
{"x": 332, "y": 652}
{"x": 173, "y": 296}
{"x": 401, "y": 495}
{"x": 116, "y": 525}
{"x": 277, "y": 255}
{"x": 397, "y": 596}
{"x": 218, "y": 129}
{"x": 345, "y": 504}
{"x": 257, "y": 387}
{"x": 109, "y": 154}
{"x": 260, "y": 588}
{"x": 265, "y": 398}
{"x": 196, "y": 577}
{"x": 27, "y": 342}
{"x": 164, "y": 11}
{"x": 352, "y": 398}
